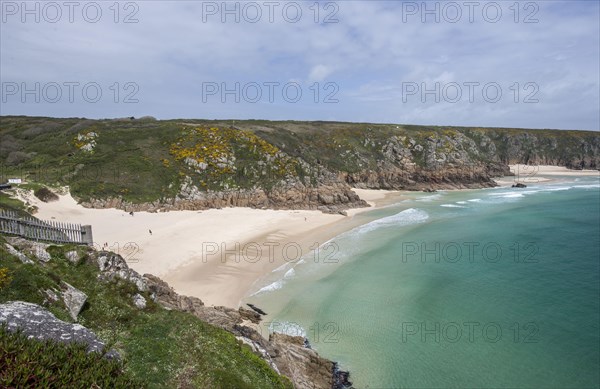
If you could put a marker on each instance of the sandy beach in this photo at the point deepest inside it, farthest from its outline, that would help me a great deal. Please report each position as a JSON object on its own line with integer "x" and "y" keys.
{"x": 542, "y": 173}
{"x": 215, "y": 254}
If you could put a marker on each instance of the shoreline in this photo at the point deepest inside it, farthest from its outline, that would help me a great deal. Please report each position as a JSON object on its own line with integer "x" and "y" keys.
{"x": 229, "y": 275}
{"x": 535, "y": 174}
{"x": 209, "y": 254}
{"x": 219, "y": 255}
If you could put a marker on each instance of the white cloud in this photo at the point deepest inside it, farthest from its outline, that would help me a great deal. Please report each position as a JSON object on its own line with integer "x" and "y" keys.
{"x": 369, "y": 54}
{"x": 319, "y": 73}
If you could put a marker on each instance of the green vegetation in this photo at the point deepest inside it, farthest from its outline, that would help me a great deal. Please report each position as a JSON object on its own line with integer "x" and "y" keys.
{"x": 5, "y": 277}
{"x": 147, "y": 160}
{"x": 45, "y": 194}
{"x": 28, "y": 363}
{"x": 162, "y": 348}
{"x": 10, "y": 204}
{"x": 229, "y": 158}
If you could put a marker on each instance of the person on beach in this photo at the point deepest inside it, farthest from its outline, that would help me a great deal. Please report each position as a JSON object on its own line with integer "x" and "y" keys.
{"x": 150, "y": 232}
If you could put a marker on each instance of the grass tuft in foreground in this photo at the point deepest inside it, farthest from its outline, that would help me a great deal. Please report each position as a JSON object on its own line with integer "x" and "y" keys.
{"x": 28, "y": 363}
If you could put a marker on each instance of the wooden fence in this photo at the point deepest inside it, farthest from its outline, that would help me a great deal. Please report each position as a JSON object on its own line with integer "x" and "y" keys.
{"x": 31, "y": 228}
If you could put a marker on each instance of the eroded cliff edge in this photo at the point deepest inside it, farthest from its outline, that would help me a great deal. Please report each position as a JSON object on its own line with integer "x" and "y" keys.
{"x": 150, "y": 165}
{"x": 290, "y": 356}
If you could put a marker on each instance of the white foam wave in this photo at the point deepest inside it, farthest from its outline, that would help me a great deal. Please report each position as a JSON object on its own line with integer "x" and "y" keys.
{"x": 513, "y": 195}
{"x": 451, "y": 206}
{"x": 461, "y": 202}
{"x": 430, "y": 198}
{"x": 269, "y": 288}
{"x": 406, "y": 217}
{"x": 290, "y": 273}
{"x": 587, "y": 186}
{"x": 288, "y": 328}
{"x": 474, "y": 200}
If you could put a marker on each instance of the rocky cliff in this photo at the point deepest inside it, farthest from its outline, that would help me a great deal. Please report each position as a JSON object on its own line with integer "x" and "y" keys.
{"x": 199, "y": 164}
{"x": 287, "y": 355}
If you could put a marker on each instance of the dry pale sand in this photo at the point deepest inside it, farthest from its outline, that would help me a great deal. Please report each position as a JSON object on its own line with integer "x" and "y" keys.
{"x": 542, "y": 173}
{"x": 215, "y": 255}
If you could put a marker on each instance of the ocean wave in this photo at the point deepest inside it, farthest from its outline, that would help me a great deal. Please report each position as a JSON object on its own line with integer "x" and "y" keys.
{"x": 461, "y": 202}
{"x": 289, "y": 274}
{"x": 539, "y": 189}
{"x": 288, "y": 328}
{"x": 542, "y": 189}
{"x": 430, "y": 197}
{"x": 451, "y": 206}
{"x": 513, "y": 194}
{"x": 404, "y": 218}
{"x": 595, "y": 186}
{"x": 474, "y": 200}
{"x": 269, "y": 288}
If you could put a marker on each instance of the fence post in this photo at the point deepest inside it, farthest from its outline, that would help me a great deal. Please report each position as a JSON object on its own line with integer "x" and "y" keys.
{"x": 86, "y": 235}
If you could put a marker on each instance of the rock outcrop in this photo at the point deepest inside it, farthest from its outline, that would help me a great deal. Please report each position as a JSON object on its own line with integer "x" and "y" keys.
{"x": 36, "y": 322}
{"x": 73, "y": 298}
{"x": 286, "y": 354}
{"x": 113, "y": 266}
{"x": 139, "y": 301}
{"x": 72, "y": 256}
{"x": 32, "y": 249}
{"x": 302, "y": 365}
{"x": 334, "y": 197}
{"x": 281, "y": 352}
{"x": 22, "y": 257}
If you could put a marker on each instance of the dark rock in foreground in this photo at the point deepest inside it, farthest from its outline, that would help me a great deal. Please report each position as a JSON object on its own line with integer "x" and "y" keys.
{"x": 256, "y": 309}
{"x": 341, "y": 379}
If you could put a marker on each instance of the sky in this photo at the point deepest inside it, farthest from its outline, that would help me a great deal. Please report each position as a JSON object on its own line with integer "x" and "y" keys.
{"x": 526, "y": 64}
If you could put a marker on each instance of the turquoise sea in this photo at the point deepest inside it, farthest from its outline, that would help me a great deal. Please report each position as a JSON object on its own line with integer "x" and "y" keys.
{"x": 492, "y": 288}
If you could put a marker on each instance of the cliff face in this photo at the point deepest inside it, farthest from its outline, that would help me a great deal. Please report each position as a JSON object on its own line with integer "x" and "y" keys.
{"x": 333, "y": 197}
{"x": 287, "y": 355}
{"x": 573, "y": 150}
{"x": 437, "y": 158}
{"x": 425, "y": 160}
{"x": 195, "y": 164}
{"x": 122, "y": 295}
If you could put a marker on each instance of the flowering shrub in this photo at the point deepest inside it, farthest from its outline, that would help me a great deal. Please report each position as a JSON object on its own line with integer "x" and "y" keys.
{"x": 225, "y": 158}
{"x": 86, "y": 141}
{"x": 5, "y": 277}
